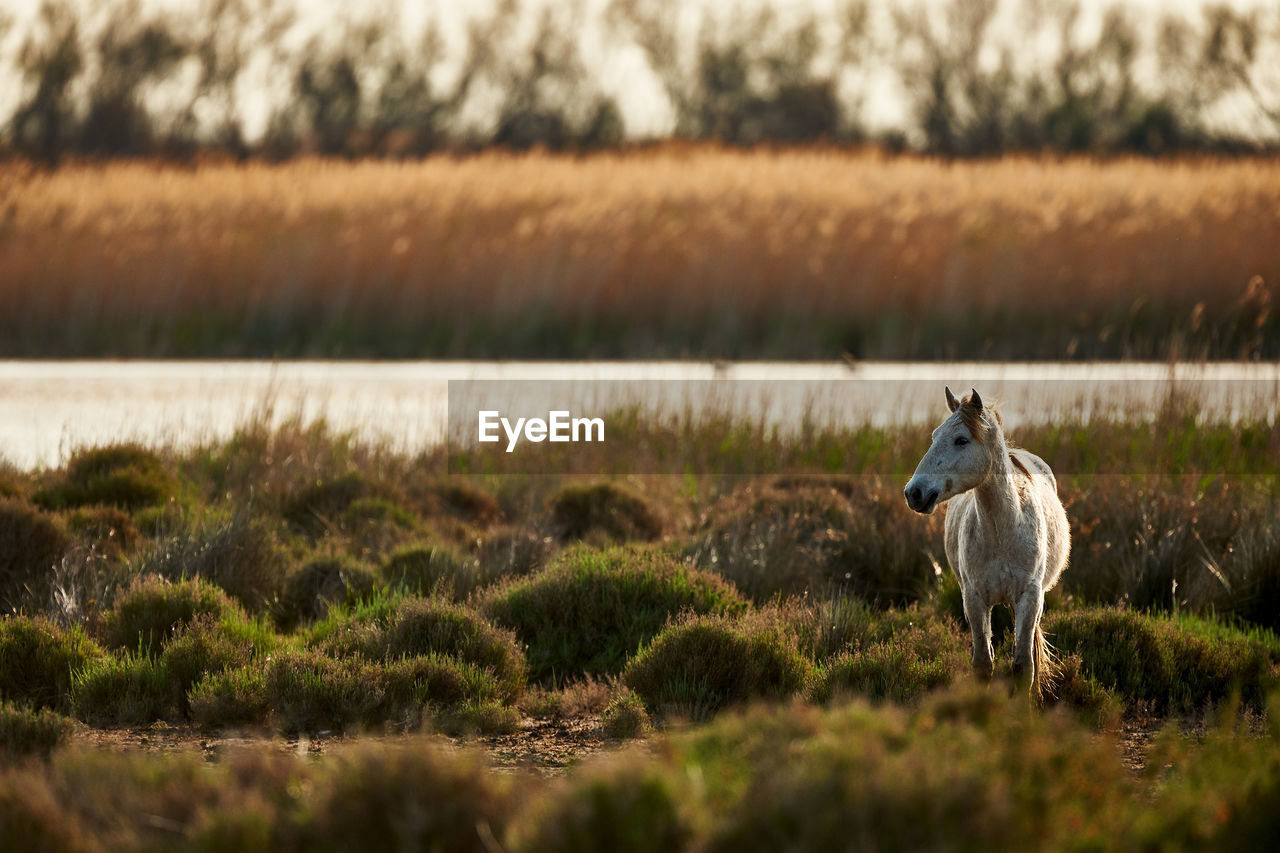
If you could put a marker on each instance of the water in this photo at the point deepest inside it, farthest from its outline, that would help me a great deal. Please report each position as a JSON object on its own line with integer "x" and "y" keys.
{"x": 48, "y": 409}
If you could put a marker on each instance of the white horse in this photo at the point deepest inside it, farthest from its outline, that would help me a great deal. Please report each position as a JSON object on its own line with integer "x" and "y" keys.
{"x": 1007, "y": 537}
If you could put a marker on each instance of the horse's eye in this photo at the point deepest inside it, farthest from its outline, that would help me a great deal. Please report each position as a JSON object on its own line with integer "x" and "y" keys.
{"x": 961, "y": 441}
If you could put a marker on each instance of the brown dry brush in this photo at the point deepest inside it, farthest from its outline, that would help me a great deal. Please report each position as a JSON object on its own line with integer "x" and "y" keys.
{"x": 666, "y": 253}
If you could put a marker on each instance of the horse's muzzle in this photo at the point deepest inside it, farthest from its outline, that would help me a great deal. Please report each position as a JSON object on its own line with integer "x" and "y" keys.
{"x": 921, "y": 501}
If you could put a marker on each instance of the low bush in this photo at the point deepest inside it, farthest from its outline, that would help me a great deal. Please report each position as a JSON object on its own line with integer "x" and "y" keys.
{"x": 607, "y": 510}
{"x": 24, "y": 731}
{"x": 312, "y": 590}
{"x": 130, "y": 690}
{"x": 431, "y": 570}
{"x": 146, "y": 615}
{"x": 39, "y": 660}
{"x": 381, "y": 797}
{"x": 512, "y": 552}
{"x": 433, "y": 626}
{"x": 435, "y": 680}
{"x": 818, "y": 540}
{"x": 128, "y": 476}
{"x": 588, "y": 611}
{"x": 320, "y": 506}
{"x": 1170, "y": 663}
{"x": 230, "y": 697}
{"x": 389, "y": 628}
{"x": 108, "y": 529}
{"x": 209, "y": 645}
{"x": 239, "y": 554}
{"x": 463, "y": 501}
{"x": 700, "y": 664}
{"x": 629, "y": 806}
{"x": 312, "y": 692}
{"x": 31, "y": 543}
{"x": 825, "y": 627}
{"x": 1072, "y": 687}
{"x": 901, "y": 668}
{"x": 625, "y": 717}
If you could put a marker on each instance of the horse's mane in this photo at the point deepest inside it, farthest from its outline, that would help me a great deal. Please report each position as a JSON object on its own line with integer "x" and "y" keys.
{"x": 973, "y": 420}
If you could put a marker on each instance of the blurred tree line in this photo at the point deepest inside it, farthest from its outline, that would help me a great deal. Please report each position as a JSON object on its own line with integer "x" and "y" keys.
{"x": 125, "y": 81}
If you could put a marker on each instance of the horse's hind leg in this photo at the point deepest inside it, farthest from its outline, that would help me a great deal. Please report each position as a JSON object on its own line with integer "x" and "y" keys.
{"x": 978, "y": 612}
{"x": 1026, "y": 627}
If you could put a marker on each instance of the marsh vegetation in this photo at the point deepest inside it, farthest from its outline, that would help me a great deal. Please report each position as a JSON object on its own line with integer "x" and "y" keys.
{"x": 298, "y": 582}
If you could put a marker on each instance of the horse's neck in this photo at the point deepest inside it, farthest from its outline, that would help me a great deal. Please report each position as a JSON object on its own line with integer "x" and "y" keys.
{"x": 998, "y": 501}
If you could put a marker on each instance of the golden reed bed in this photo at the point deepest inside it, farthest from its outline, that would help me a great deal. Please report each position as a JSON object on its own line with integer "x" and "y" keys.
{"x": 882, "y": 255}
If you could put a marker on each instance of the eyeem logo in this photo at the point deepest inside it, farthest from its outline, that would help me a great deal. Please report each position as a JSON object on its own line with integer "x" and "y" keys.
{"x": 559, "y": 426}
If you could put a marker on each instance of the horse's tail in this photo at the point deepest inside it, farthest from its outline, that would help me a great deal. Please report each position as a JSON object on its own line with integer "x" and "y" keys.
{"x": 1046, "y": 666}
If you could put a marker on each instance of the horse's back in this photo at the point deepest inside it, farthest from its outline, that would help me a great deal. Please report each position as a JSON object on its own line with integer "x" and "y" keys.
{"x": 1034, "y": 465}
{"x": 1057, "y": 529}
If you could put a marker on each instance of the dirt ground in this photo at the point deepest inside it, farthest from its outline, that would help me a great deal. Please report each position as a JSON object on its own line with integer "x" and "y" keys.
{"x": 543, "y": 745}
{"x": 546, "y": 746}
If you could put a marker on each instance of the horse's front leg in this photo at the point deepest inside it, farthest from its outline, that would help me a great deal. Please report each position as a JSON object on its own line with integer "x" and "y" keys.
{"x": 978, "y": 612}
{"x": 1026, "y": 618}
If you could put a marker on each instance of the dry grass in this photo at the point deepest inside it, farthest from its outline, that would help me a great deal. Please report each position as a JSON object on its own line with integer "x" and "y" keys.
{"x": 700, "y": 251}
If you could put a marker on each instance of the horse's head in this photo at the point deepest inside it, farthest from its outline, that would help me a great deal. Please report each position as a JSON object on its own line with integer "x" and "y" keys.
{"x": 959, "y": 458}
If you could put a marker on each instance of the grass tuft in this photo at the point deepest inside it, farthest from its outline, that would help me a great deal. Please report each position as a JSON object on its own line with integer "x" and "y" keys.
{"x": 39, "y": 660}
{"x": 900, "y": 668}
{"x": 31, "y": 543}
{"x": 605, "y": 511}
{"x": 146, "y": 615}
{"x": 1180, "y": 663}
{"x": 128, "y": 476}
{"x": 700, "y": 664}
{"x": 130, "y": 690}
{"x": 309, "y": 593}
{"x": 590, "y": 610}
{"x": 25, "y": 732}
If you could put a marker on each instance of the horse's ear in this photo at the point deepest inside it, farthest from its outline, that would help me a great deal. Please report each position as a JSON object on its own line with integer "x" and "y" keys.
{"x": 952, "y": 402}
{"x": 974, "y": 399}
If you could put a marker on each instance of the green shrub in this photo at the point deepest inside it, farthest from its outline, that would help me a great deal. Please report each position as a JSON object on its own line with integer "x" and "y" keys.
{"x": 312, "y": 692}
{"x": 605, "y": 509}
{"x": 109, "y": 529}
{"x": 1075, "y": 689}
{"x": 1178, "y": 663}
{"x": 24, "y": 731}
{"x": 861, "y": 540}
{"x": 426, "y": 626}
{"x": 312, "y": 590}
{"x": 968, "y": 769}
{"x": 38, "y": 661}
{"x": 390, "y": 628}
{"x": 628, "y": 806}
{"x": 437, "y": 680}
{"x": 901, "y": 668}
{"x": 380, "y": 797}
{"x": 124, "y": 691}
{"x": 825, "y": 627}
{"x": 209, "y": 645}
{"x": 465, "y": 502}
{"x": 472, "y": 717}
{"x": 128, "y": 476}
{"x": 589, "y": 610}
{"x": 146, "y": 615}
{"x": 430, "y": 570}
{"x": 511, "y": 552}
{"x": 31, "y": 542}
{"x": 318, "y": 507}
{"x": 238, "y": 554}
{"x": 701, "y": 664}
{"x": 230, "y": 697}
{"x": 625, "y": 717}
